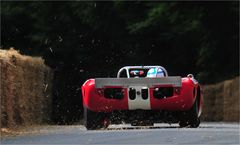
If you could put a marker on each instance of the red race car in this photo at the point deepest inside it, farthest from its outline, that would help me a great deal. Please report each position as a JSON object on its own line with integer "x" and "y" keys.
{"x": 142, "y": 95}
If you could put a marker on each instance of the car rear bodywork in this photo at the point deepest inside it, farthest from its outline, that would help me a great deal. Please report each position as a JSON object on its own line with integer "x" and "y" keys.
{"x": 169, "y": 95}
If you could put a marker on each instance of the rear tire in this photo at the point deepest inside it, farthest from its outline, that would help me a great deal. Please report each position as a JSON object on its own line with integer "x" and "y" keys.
{"x": 93, "y": 120}
{"x": 195, "y": 123}
{"x": 194, "y": 120}
{"x": 191, "y": 117}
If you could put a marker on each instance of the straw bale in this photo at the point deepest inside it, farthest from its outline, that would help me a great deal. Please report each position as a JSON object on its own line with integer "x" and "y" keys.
{"x": 25, "y": 89}
{"x": 221, "y": 101}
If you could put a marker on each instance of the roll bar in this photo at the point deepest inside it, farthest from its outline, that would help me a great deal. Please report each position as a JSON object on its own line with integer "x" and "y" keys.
{"x": 139, "y": 67}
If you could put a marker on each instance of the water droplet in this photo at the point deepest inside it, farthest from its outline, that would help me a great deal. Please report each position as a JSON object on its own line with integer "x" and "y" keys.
{"x": 46, "y": 41}
{"x": 81, "y": 70}
{"x": 150, "y": 52}
{"x": 50, "y": 49}
{"x": 60, "y": 39}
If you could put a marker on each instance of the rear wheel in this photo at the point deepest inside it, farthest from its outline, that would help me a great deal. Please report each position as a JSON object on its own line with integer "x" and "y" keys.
{"x": 195, "y": 123}
{"x": 94, "y": 120}
{"x": 191, "y": 117}
{"x": 194, "y": 120}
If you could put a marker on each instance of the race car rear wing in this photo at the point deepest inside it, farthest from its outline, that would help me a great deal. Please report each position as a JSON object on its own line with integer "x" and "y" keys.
{"x": 174, "y": 81}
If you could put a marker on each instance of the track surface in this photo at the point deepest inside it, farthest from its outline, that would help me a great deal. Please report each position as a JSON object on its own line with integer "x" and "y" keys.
{"x": 207, "y": 133}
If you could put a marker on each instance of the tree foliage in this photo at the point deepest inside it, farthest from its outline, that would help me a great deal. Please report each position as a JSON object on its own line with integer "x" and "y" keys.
{"x": 184, "y": 36}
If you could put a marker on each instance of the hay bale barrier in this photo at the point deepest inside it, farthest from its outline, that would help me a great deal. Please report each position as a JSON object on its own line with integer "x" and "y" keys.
{"x": 221, "y": 101}
{"x": 25, "y": 90}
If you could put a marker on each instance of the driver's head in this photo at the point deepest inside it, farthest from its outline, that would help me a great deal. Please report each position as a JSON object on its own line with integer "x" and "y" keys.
{"x": 155, "y": 72}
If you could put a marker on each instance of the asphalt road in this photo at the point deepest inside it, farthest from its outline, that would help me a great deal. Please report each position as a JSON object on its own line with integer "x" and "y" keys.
{"x": 207, "y": 133}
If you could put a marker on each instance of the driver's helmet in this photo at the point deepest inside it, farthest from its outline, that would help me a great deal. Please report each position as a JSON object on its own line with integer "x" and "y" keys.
{"x": 155, "y": 72}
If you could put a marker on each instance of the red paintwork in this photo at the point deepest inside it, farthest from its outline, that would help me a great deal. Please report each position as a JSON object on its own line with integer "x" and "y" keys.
{"x": 181, "y": 102}
{"x": 98, "y": 103}
{"x": 95, "y": 101}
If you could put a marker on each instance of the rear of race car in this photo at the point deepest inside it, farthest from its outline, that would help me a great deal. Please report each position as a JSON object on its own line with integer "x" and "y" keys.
{"x": 168, "y": 99}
